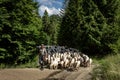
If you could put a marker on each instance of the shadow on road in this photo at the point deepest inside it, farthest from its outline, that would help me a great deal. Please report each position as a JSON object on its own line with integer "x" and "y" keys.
{"x": 50, "y": 77}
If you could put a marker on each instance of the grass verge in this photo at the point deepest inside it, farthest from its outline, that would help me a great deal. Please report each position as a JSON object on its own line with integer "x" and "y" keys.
{"x": 109, "y": 68}
{"x": 31, "y": 64}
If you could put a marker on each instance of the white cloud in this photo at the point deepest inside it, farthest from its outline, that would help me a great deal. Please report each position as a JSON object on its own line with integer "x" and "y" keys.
{"x": 52, "y": 6}
{"x": 50, "y": 2}
{"x": 51, "y": 10}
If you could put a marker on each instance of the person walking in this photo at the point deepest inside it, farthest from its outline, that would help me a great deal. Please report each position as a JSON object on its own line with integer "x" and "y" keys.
{"x": 42, "y": 53}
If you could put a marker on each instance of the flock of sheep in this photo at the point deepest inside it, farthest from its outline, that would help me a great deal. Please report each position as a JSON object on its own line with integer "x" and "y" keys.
{"x": 65, "y": 58}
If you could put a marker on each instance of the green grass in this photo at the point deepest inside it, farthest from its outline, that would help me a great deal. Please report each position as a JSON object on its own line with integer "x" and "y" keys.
{"x": 31, "y": 64}
{"x": 109, "y": 68}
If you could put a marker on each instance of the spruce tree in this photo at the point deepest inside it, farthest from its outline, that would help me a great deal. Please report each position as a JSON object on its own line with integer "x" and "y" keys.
{"x": 110, "y": 10}
{"x": 71, "y": 20}
{"x": 54, "y": 28}
{"x": 50, "y": 28}
{"x": 90, "y": 25}
{"x": 19, "y": 30}
{"x": 46, "y": 22}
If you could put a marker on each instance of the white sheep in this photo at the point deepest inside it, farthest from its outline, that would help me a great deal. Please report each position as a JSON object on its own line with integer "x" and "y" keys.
{"x": 77, "y": 64}
{"x": 49, "y": 58}
{"x": 54, "y": 64}
{"x": 89, "y": 62}
{"x": 72, "y": 62}
{"x": 66, "y": 63}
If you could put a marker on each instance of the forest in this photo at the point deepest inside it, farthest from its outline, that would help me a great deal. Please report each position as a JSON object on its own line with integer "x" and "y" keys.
{"x": 91, "y": 26}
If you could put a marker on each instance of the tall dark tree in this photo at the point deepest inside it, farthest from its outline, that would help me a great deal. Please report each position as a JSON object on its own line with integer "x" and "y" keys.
{"x": 19, "y": 30}
{"x": 110, "y": 9}
{"x": 50, "y": 27}
{"x": 54, "y": 28}
{"x": 46, "y": 27}
{"x": 46, "y": 22}
{"x": 71, "y": 20}
{"x": 86, "y": 25}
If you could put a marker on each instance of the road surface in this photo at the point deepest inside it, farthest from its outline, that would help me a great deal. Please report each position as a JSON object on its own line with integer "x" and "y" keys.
{"x": 46, "y": 74}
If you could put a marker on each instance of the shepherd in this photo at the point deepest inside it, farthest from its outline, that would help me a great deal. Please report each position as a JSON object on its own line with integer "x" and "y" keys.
{"x": 42, "y": 53}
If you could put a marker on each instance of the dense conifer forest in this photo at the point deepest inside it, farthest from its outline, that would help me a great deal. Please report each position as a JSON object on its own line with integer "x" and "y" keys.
{"x": 91, "y": 26}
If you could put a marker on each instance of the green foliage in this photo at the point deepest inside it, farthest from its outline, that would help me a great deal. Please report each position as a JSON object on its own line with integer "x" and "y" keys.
{"x": 50, "y": 28}
{"x": 91, "y": 26}
{"x": 108, "y": 69}
{"x": 46, "y": 22}
{"x": 54, "y": 24}
{"x": 19, "y": 31}
{"x": 22, "y": 29}
{"x": 71, "y": 20}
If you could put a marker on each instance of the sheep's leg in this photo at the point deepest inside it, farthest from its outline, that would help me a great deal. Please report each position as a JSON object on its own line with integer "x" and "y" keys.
{"x": 56, "y": 67}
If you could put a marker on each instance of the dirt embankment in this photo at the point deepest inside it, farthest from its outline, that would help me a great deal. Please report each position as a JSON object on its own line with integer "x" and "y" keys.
{"x": 36, "y": 74}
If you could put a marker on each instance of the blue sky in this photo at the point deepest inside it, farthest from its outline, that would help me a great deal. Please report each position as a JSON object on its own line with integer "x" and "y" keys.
{"x": 52, "y": 6}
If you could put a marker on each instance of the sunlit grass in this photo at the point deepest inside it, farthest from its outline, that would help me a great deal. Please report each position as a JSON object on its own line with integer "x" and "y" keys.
{"x": 31, "y": 64}
{"x": 109, "y": 68}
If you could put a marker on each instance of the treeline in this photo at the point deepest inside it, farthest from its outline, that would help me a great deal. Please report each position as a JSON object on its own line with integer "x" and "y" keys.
{"x": 22, "y": 29}
{"x": 91, "y": 26}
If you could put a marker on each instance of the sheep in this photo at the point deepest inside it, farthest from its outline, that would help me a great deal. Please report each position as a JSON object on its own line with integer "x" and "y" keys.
{"x": 61, "y": 64}
{"x": 89, "y": 62}
{"x": 54, "y": 64}
{"x": 77, "y": 64}
{"x": 82, "y": 61}
{"x": 49, "y": 56}
{"x": 72, "y": 62}
{"x": 66, "y": 58}
{"x": 66, "y": 63}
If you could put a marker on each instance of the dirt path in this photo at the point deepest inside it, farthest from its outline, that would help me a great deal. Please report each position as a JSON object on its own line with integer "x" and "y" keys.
{"x": 36, "y": 74}
{"x": 81, "y": 74}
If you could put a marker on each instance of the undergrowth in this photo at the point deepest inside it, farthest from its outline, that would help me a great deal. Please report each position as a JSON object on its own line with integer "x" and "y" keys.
{"x": 108, "y": 69}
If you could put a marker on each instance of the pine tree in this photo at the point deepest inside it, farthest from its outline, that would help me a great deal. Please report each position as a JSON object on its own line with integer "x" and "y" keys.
{"x": 54, "y": 28}
{"x": 110, "y": 9}
{"x": 90, "y": 25}
{"x": 71, "y": 20}
{"x": 50, "y": 28}
{"x": 19, "y": 30}
{"x": 46, "y": 27}
{"x": 46, "y": 22}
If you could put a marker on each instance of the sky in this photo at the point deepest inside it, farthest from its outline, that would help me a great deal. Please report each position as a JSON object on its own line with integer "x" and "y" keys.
{"x": 52, "y": 6}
